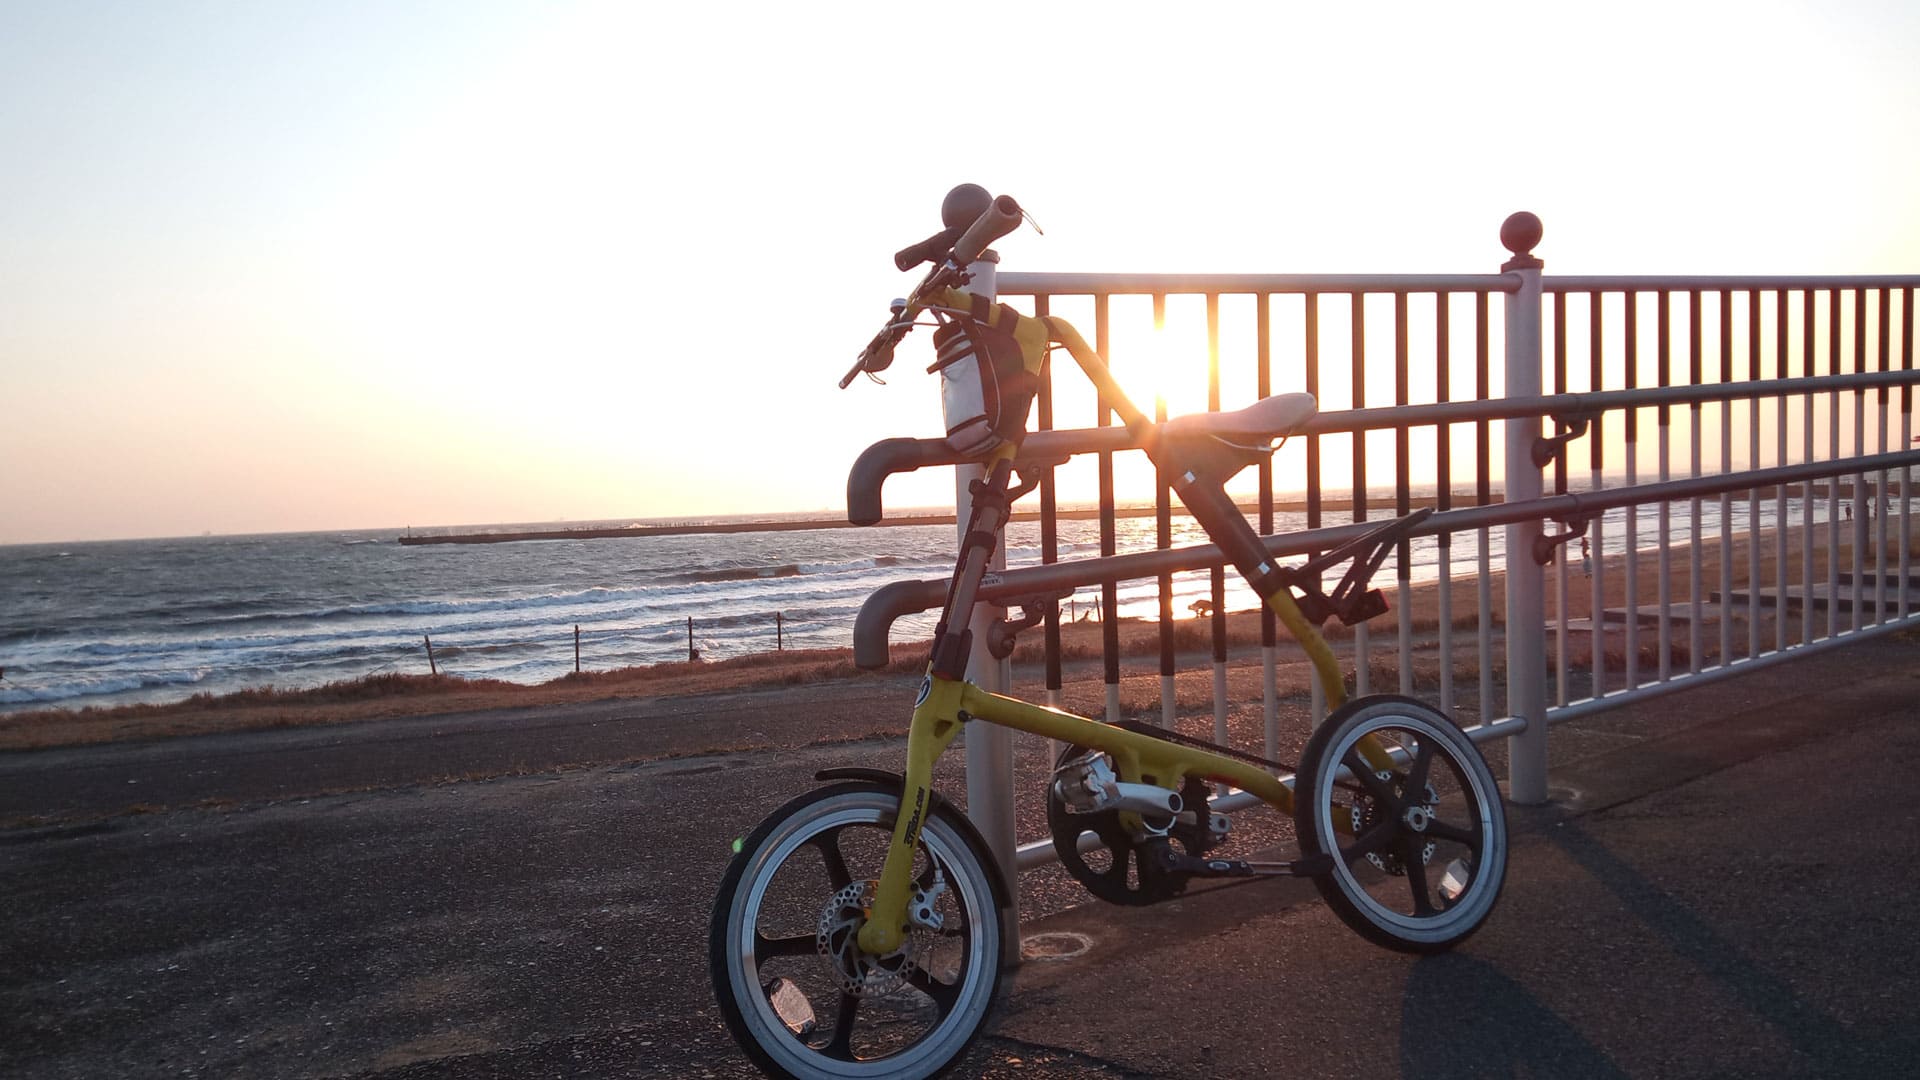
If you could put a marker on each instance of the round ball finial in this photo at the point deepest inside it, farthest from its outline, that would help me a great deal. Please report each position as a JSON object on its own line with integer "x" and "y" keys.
{"x": 964, "y": 204}
{"x": 1519, "y": 234}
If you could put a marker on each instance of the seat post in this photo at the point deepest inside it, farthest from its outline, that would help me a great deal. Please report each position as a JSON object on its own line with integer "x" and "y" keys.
{"x": 1206, "y": 498}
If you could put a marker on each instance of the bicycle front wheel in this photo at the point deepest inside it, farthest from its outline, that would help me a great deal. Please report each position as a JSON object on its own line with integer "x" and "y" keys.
{"x": 794, "y": 987}
{"x": 1420, "y": 849}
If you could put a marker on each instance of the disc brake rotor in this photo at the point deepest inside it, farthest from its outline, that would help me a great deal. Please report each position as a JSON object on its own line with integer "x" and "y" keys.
{"x": 838, "y": 940}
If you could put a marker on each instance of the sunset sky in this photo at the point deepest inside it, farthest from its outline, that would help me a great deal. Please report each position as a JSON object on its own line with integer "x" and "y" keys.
{"x": 286, "y": 266}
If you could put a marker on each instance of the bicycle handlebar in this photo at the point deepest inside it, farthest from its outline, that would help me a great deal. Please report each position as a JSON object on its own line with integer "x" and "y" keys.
{"x": 1001, "y": 218}
{"x": 965, "y": 240}
{"x": 958, "y": 211}
{"x": 961, "y": 242}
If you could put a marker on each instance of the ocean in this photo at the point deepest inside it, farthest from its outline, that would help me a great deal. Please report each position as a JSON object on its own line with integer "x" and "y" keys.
{"x": 120, "y": 622}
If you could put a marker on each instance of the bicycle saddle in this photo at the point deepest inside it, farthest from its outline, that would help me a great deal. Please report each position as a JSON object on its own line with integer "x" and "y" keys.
{"x": 1259, "y": 423}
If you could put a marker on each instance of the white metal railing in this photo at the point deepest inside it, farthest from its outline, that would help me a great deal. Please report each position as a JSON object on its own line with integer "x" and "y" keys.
{"x": 1769, "y": 368}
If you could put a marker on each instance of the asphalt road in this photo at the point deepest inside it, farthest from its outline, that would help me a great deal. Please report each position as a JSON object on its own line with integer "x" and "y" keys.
{"x": 1723, "y": 886}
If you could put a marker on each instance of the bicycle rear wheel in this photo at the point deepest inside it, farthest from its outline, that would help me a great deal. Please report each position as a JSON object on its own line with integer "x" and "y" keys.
{"x": 797, "y": 993}
{"x": 1419, "y": 850}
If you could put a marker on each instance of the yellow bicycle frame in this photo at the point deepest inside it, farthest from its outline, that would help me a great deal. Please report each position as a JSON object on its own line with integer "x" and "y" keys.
{"x": 944, "y": 704}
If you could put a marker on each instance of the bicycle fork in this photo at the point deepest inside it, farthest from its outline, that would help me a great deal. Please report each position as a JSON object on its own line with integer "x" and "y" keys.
{"x": 937, "y": 717}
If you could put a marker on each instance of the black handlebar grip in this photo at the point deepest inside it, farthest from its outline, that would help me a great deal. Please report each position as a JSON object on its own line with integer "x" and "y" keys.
{"x": 933, "y": 247}
{"x": 1000, "y": 219}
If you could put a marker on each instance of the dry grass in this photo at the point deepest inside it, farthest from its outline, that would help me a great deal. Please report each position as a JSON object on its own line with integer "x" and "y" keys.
{"x": 379, "y": 697}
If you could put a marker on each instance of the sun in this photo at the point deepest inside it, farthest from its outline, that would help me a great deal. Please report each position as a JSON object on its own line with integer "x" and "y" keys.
{"x": 1159, "y": 353}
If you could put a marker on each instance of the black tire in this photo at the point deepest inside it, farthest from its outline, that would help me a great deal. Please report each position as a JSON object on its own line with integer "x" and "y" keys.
{"x": 778, "y": 954}
{"x": 1420, "y": 870}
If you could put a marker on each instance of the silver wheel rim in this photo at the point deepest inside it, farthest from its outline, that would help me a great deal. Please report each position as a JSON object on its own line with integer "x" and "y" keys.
{"x": 1480, "y": 894}
{"x": 941, "y": 1041}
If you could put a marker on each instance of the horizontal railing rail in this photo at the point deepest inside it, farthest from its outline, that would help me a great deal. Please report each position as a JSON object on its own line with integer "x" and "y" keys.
{"x": 1146, "y": 284}
{"x": 1123, "y": 284}
{"x": 890, "y": 456}
{"x": 891, "y": 602}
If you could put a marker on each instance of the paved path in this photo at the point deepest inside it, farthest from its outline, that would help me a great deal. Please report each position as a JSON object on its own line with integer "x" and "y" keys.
{"x": 1723, "y": 887}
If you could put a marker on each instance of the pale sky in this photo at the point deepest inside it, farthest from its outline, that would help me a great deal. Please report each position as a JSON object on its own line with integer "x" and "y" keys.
{"x": 287, "y": 266}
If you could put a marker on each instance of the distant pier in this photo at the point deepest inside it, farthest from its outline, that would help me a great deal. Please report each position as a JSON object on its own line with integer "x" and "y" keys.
{"x": 701, "y": 528}
{"x": 690, "y": 529}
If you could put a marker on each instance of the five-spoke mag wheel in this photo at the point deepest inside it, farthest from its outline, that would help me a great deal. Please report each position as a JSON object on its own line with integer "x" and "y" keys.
{"x": 1419, "y": 848}
{"x": 795, "y": 988}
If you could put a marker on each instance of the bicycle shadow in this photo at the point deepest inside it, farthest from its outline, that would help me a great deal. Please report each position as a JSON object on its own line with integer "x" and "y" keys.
{"x": 1461, "y": 1019}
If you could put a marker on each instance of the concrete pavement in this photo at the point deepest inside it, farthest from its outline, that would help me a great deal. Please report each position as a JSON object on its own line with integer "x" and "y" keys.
{"x": 1723, "y": 887}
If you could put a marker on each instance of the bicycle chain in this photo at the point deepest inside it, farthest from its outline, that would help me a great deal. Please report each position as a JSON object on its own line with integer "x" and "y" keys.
{"x": 1141, "y": 727}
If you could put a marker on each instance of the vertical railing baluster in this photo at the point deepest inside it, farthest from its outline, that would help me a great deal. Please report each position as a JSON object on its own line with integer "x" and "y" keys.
{"x": 1782, "y": 343}
{"x": 1753, "y": 462}
{"x": 1483, "y": 495}
{"x": 1219, "y": 574}
{"x": 1858, "y": 543}
{"x": 1443, "y": 469}
{"x": 1311, "y": 361}
{"x": 1049, "y": 542}
{"x": 1402, "y": 493}
{"x": 1695, "y": 374}
{"x": 1632, "y": 343}
{"x": 1109, "y": 589}
{"x": 1880, "y": 504}
{"x": 1562, "y": 555}
{"x": 1808, "y": 345}
{"x": 1163, "y": 532}
{"x": 1833, "y": 454}
{"x": 1906, "y": 443}
{"x": 1596, "y": 463}
{"x": 1269, "y": 625}
{"x": 1526, "y": 604}
{"x": 1362, "y": 638}
{"x": 1664, "y": 425}
{"x": 1726, "y": 468}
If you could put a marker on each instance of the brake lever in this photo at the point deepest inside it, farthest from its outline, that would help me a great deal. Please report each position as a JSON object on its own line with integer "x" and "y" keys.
{"x": 853, "y": 372}
{"x": 878, "y": 355}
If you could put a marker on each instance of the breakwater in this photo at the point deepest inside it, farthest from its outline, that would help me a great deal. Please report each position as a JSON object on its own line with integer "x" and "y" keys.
{"x": 507, "y": 536}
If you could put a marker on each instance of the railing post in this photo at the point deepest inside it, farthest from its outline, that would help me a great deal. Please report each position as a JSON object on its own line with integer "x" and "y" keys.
{"x": 989, "y": 746}
{"x": 1526, "y": 579}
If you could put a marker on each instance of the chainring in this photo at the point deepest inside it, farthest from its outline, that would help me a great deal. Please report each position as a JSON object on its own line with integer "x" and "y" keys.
{"x": 1130, "y": 877}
